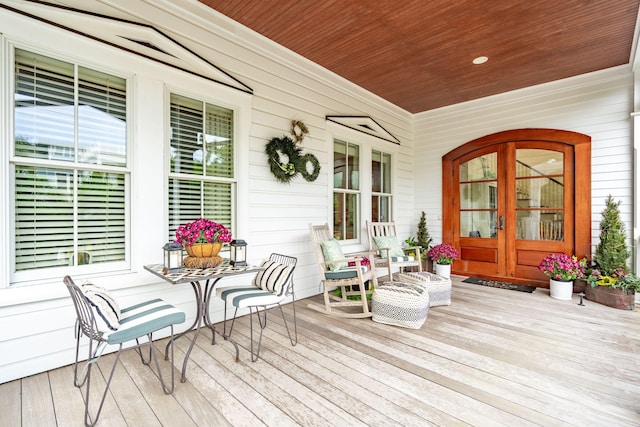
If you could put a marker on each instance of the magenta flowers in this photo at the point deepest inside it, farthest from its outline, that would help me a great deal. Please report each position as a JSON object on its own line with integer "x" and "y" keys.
{"x": 563, "y": 267}
{"x": 202, "y": 231}
{"x": 443, "y": 253}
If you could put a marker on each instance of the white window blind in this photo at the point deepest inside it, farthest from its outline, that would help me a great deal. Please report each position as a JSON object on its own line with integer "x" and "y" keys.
{"x": 201, "y": 180}
{"x": 69, "y": 164}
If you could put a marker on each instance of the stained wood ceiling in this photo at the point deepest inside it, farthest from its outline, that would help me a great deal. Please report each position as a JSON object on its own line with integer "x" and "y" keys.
{"x": 418, "y": 54}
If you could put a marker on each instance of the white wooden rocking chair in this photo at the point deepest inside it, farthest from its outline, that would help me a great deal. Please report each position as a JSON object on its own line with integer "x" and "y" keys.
{"x": 383, "y": 240}
{"x": 355, "y": 282}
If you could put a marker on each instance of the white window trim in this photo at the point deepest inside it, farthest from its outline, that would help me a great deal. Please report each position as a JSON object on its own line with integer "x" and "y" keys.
{"x": 381, "y": 193}
{"x": 367, "y": 144}
{"x": 242, "y": 123}
{"x": 147, "y": 83}
{"x": 34, "y": 277}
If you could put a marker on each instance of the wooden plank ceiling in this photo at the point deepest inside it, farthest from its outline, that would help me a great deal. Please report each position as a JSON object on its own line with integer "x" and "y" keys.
{"x": 418, "y": 54}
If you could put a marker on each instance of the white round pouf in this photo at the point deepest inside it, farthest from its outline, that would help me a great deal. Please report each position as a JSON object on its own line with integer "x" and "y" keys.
{"x": 561, "y": 290}
{"x": 400, "y": 304}
{"x": 443, "y": 270}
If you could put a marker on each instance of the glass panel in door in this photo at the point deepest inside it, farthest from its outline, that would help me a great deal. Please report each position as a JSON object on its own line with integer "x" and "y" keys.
{"x": 478, "y": 197}
{"x": 539, "y": 195}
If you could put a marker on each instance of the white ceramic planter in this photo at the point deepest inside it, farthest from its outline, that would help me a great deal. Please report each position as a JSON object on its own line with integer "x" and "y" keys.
{"x": 443, "y": 270}
{"x": 561, "y": 290}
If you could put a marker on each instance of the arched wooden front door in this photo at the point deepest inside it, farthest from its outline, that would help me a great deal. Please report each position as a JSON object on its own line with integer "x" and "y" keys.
{"x": 511, "y": 198}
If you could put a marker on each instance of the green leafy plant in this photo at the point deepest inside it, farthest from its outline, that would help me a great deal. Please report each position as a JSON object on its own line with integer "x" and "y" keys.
{"x": 619, "y": 279}
{"x": 611, "y": 254}
{"x": 422, "y": 239}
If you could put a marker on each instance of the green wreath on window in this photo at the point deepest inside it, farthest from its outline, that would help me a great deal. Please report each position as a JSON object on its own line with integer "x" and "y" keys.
{"x": 315, "y": 164}
{"x": 285, "y": 146}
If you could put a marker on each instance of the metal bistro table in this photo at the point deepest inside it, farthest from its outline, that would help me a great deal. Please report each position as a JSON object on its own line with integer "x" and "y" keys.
{"x": 210, "y": 276}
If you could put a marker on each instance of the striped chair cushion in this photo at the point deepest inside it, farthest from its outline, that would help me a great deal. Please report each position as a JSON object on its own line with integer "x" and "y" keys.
{"x": 144, "y": 318}
{"x": 273, "y": 277}
{"x": 105, "y": 308}
{"x": 248, "y": 296}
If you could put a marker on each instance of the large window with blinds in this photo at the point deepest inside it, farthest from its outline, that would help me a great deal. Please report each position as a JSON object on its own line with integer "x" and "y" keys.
{"x": 202, "y": 175}
{"x": 69, "y": 165}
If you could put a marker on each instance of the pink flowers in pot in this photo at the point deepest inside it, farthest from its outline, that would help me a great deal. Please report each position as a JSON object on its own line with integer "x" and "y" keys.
{"x": 202, "y": 231}
{"x": 563, "y": 267}
{"x": 443, "y": 253}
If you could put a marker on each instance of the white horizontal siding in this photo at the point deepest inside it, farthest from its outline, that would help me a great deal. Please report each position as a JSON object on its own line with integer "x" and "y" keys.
{"x": 274, "y": 217}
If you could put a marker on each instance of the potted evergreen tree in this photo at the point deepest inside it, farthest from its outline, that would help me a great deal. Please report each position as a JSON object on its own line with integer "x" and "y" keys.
{"x": 422, "y": 239}
{"x": 610, "y": 282}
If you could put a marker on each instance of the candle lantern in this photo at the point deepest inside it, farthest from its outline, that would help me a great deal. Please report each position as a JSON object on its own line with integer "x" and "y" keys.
{"x": 172, "y": 256}
{"x": 238, "y": 253}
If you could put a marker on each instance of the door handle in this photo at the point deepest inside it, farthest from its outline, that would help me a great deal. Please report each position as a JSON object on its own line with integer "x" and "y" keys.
{"x": 501, "y": 222}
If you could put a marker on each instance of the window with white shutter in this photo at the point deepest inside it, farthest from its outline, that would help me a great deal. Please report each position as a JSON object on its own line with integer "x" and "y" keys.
{"x": 69, "y": 166}
{"x": 202, "y": 176}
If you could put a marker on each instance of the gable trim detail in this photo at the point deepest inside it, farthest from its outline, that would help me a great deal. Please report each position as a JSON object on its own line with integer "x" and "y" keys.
{"x": 364, "y": 124}
{"x": 134, "y": 37}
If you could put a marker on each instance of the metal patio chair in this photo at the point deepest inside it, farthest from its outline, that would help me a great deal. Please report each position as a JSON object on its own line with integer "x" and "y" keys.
{"x": 100, "y": 320}
{"x": 271, "y": 286}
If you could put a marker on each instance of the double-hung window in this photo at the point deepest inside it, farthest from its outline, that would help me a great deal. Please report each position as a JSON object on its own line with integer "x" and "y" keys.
{"x": 202, "y": 173}
{"x": 380, "y": 186}
{"x": 69, "y": 171}
{"x": 346, "y": 190}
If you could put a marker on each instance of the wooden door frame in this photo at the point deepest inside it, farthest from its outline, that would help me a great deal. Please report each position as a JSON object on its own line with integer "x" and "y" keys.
{"x": 582, "y": 179}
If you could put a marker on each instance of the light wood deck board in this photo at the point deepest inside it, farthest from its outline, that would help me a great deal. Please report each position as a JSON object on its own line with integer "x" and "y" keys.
{"x": 11, "y": 403}
{"x": 494, "y": 357}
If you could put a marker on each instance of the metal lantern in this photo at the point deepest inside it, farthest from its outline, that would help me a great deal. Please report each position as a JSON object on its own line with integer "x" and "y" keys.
{"x": 238, "y": 253}
{"x": 172, "y": 256}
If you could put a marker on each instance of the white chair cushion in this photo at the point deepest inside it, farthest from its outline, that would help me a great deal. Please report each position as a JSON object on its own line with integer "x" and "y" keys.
{"x": 106, "y": 309}
{"x": 273, "y": 277}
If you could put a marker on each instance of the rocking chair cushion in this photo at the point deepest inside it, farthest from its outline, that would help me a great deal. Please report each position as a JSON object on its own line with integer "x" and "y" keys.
{"x": 333, "y": 252}
{"x": 390, "y": 243}
{"x": 405, "y": 258}
{"x": 273, "y": 277}
{"x": 105, "y": 308}
{"x": 345, "y": 273}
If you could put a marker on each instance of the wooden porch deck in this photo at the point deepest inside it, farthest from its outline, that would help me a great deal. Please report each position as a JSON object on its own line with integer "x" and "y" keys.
{"x": 494, "y": 357}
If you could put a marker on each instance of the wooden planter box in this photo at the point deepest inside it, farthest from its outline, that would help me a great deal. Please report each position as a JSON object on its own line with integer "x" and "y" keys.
{"x": 616, "y": 298}
{"x": 579, "y": 286}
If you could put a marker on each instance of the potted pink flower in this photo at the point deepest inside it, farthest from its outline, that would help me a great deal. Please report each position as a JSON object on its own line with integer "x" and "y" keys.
{"x": 202, "y": 237}
{"x": 443, "y": 255}
{"x": 562, "y": 270}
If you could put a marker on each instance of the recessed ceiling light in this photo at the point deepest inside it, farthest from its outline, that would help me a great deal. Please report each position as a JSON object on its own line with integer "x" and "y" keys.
{"x": 480, "y": 60}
